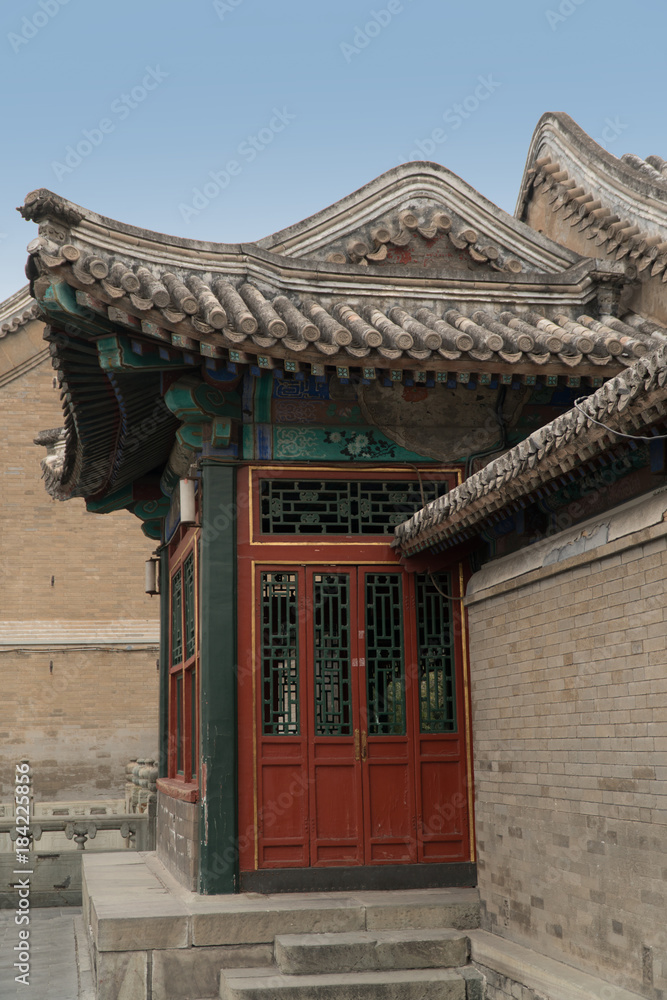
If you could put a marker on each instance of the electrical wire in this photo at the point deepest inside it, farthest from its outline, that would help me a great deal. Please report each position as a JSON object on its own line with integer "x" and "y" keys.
{"x": 632, "y": 437}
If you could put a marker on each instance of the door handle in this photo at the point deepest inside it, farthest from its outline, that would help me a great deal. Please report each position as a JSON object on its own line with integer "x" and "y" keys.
{"x": 357, "y": 754}
{"x": 364, "y": 746}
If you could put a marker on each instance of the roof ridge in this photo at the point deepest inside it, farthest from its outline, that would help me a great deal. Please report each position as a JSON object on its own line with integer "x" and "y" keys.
{"x": 17, "y": 310}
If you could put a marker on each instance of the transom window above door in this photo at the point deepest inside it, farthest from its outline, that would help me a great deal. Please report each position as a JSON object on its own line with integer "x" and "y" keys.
{"x": 331, "y": 502}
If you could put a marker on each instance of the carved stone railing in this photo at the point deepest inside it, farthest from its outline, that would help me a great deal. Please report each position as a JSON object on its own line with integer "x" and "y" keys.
{"x": 137, "y": 829}
{"x": 140, "y": 788}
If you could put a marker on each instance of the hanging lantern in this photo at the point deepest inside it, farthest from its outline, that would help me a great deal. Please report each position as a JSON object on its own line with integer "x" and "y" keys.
{"x": 187, "y": 501}
{"x": 152, "y": 576}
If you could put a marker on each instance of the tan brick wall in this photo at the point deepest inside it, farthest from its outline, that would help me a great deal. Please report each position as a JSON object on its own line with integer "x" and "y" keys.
{"x": 570, "y": 733}
{"x": 81, "y": 722}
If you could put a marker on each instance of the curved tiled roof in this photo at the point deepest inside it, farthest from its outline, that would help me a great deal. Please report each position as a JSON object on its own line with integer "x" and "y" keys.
{"x": 249, "y": 305}
{"x": 17, "y": 310}
{"x": 634, "y": 399}
{"x": 620, "y": 205}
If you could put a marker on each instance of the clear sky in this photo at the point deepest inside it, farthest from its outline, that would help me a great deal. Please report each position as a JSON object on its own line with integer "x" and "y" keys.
{"x": 128, "y": 107}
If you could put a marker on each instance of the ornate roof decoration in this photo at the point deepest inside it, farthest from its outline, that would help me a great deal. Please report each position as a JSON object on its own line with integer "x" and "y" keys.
{"x": 633, "y": 400}
{"x": 43, "y": 204}
{"x": 413, "y": 204}
{"x": 55, "y": 441}
{"x": 17, "y": 310}
{"x": 619, "y": 205}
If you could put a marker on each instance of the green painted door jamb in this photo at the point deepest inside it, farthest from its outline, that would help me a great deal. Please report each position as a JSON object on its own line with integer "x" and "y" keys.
{"x": 218, "y": 843}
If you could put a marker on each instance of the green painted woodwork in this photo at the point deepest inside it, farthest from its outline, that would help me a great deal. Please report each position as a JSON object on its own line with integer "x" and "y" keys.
{"x": 153, "y": 529}
{"x": 248, "y": 441}
{"x": 385, "y": 664}
{"x": 60, "y": 305}
{"x": 116, "y": 354}
{"x": 218, "y": 852}
{"x": 191, "y": 436}
{"x": 279, "y": 654}
{"x": 163, "y": 721}
{"x": 221, "y": 432}
{"x": 340, "y": 507}
{"x": 263, "y": 394}
{"x": 362, "y": 444}
{"x": 435, "y": 654}
{"x": 332, "y": 655}
{"x": 215, "y": 403}
{"x": 190, "y": 399}
{"x": 114, "y": 501}
{"x": 147, "y": 510}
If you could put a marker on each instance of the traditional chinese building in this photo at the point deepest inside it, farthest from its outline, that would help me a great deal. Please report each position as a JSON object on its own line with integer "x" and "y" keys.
{"x": 271, "y": 412}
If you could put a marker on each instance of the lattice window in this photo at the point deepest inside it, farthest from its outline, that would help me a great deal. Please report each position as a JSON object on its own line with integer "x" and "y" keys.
{"x": 280, "y": 654}
{"x": 339, "y": 506}
{"x": 176, "y": 619}
{"x": 179, "y": 725}
{"x": 435, "y": 642}
{"x": 190, "y": 620}
{"x": 331, "y": 641}
{"x": 385, "y": 668}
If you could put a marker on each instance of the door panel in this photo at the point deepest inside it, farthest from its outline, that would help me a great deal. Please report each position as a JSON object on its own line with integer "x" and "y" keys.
{"x": 334, "y": 766}
{"x": 282, "y": 776}
{"x": 389, "y": 797}
{"x": 442, "y": 829}
{"x": 359, "y": 753}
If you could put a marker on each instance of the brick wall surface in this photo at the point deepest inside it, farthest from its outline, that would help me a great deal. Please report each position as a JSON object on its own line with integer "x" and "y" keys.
{"x": 570, "y": 733}
{"x": 177, "y": 832}
{"x": 499, "y": 987}
{"x": 82, "y": 720}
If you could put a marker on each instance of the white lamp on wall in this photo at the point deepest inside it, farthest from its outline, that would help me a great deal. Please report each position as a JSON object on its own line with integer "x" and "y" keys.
{"x": 152, "y": 576}
{"x": 187, "y": 501}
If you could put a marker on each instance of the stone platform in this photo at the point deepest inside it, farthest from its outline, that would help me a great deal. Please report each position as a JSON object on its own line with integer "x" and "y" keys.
{"x": 151, "y": 938}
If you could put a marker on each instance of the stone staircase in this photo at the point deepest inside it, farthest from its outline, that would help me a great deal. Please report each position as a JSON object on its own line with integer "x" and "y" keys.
{"x": 152, "y": 939}
{"x": 415, "y": 963}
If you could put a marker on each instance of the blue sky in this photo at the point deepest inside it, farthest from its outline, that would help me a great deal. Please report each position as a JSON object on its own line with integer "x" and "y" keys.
{"x": 128, "y": 108}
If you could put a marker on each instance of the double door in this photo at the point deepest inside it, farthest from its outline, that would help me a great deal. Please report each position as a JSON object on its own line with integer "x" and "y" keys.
{"x": 359, "y": 748}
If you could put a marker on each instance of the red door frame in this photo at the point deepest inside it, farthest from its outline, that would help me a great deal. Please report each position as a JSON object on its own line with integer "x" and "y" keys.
{"x": 281, "y": 553}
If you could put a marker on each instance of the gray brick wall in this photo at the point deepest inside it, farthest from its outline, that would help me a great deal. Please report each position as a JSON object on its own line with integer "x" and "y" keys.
{"x": 178, "y": 838}
{"x": 569, "y": 679}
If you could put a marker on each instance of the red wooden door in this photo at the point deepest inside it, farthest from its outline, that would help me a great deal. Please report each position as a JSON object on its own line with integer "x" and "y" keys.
{"x": 387, "y": 736}
{"x": 359, "y": 750}
{"x": 333, "y": 667}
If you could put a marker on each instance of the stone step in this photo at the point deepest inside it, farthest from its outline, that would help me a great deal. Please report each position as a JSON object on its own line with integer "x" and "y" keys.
{"x": 312, "y": 954}
{"x": 403, "y": 984}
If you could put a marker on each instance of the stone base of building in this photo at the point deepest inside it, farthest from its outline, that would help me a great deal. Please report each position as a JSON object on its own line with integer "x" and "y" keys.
{"x": 152, "y": 938}
{"x": 177, "y": 838}
{"x": 513, "y": 972}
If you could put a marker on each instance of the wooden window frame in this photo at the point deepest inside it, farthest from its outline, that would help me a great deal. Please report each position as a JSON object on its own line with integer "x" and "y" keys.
{"x": 184, "y": 725}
